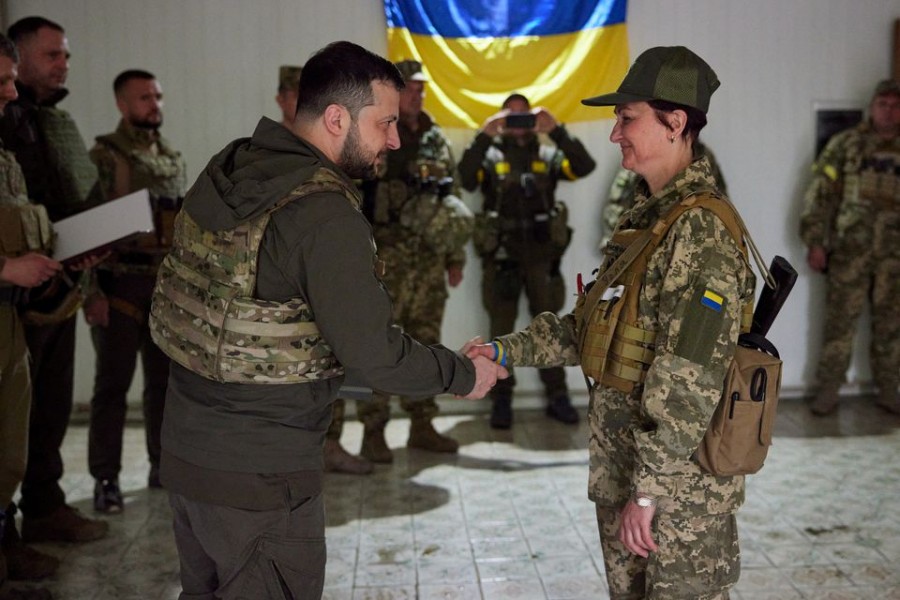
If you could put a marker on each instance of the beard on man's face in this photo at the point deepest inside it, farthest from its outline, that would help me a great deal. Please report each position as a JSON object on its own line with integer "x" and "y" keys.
{"x": 147, "y": 124}
{"x": 353, "y": 160}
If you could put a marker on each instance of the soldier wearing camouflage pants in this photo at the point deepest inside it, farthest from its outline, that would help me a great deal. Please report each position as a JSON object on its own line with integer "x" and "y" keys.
{"x": 420, "y": 228}
{"x": 851, "y": 227}
{"x": 655, "y": 340}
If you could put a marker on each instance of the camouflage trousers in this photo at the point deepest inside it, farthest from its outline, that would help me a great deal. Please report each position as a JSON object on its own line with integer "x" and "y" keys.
{"x": 502, "y": 284}
{"x": 418, "y": 296}
{"x": 698, "y": 558}
{"x": 854, "y": 278}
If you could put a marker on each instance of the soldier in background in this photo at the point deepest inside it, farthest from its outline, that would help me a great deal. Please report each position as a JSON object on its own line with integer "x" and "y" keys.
{"x": 523, "y": 231}
{"x": 851, "y": 227}
{"x": 25, "y": 237}
{"x": 288, "y": 87}
{"x": 60, "y": 176}
{"x": 621, "y": 192}
{"x": 421, "y": 228}
{"x": 134, "y": 157}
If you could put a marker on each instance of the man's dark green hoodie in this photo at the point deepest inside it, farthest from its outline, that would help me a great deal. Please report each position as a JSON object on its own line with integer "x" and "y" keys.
{"x": 255, "y": 446}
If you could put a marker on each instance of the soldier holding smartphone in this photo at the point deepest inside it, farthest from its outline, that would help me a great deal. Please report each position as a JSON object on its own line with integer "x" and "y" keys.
{"x": 522, "y": 232}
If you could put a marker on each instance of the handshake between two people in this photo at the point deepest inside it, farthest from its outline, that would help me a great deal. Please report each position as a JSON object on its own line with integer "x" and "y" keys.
{"x": 487, "y": 371}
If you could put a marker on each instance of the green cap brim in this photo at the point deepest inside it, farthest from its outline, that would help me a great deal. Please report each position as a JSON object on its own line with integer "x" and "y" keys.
{"x": 614, "y": 98}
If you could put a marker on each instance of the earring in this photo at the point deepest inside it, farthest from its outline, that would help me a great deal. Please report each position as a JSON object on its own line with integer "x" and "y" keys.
{"x": 672, "y": 140}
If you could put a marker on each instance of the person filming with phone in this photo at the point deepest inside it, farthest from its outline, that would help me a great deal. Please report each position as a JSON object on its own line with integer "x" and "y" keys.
{"x": 522, "y": 232}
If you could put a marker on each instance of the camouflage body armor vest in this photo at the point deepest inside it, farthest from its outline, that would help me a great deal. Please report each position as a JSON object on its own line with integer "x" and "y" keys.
{"x": 522, "y": 209}
{"x": 163, "y": 175}
{"x": 615, "y": 350}
{"x": 74, "y": 175}
{"x": 204, "y": 315}
{"x": 24, "y": 227}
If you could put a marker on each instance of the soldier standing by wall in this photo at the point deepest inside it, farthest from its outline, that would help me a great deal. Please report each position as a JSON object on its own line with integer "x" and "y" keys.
{"x": 59, "y": 176}
{"x": 25, "y": 236}
{"x": 135, "y": 156}
{"x": 421, "y": 229}
{"x": 522, "y": 232}
{"x": 851, "y": 227}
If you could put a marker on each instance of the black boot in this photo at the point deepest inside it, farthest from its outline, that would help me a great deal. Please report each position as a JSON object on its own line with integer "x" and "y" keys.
{"x": 501, "y": 411}
{"x": 561, "y": 409}
{"x": 23, "y": 563}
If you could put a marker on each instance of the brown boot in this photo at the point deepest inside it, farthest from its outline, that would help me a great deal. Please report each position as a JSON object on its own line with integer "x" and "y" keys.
{"x": 374, "y": 446}
{"x": 65, "y": 524}
{"x": 21, "y": 562}
{"x": 338, "y": 460}
{"x": 422, "y": 435}
{"x": 826, "y": 402}
{"x": 889, "y": 400}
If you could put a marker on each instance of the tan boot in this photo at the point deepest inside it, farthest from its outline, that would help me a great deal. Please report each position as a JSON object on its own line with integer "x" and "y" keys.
{"x": 889, "y": 400}
{"x": 422, "y": 435}
{"x": 21, "y": 562}
{"x": 338, "y": 460}
{"x": 374, "y": 446}
{"x": 65, "y": 524}
{"x": 826, "y": 402}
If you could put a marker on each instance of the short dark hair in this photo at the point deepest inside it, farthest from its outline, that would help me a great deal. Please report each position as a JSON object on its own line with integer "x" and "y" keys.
{"x": 8, "y": 49}
{"x": 125, "y": 76}
{"x": 342, "y": 73}
{"x": 513, "y": 97}
{"x": 28, "y": 26}
{"x": 696, "y": 118}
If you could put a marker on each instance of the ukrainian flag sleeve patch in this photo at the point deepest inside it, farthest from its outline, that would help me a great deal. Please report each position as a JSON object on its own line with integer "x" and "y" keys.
{"x": 712, "y": 300}
{"x": 701, "y": 324}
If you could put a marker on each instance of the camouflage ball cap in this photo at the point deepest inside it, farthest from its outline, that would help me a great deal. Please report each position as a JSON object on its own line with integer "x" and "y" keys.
{"x": 672, "y": 73}
{"x": 288, "y": 77}
{"x": 411, "y": 70}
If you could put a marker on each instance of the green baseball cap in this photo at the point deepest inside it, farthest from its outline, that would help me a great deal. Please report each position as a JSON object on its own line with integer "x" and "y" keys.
{"x": 671, "y": 73}
{"x": 886, "y": 87}
{"x": 288, "y": 77}
{"x": 411, "y": 70}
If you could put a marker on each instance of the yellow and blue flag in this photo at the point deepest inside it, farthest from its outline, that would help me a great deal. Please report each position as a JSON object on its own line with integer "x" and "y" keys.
{"x": 477, "y": 52}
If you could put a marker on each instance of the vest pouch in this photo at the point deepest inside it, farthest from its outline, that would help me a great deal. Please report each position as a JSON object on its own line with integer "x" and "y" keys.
{"x": 560, "y": 232}
{"x": 740, "y": 431}
{"x": 486, "y": 235}
{"x": 599, "y": 334}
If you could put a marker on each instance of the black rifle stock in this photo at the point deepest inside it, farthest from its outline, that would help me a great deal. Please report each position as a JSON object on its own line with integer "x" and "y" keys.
{"x": 772, "y": 299}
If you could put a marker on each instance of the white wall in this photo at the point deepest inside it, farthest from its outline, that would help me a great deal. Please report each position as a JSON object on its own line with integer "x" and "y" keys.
{"x": 217, "y": 61}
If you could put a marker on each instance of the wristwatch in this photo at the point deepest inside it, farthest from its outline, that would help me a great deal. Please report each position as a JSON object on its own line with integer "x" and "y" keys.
{"x": 644, "y": 501}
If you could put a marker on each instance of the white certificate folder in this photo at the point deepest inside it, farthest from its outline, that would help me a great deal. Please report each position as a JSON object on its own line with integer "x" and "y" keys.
{"x": 98, "y": 228}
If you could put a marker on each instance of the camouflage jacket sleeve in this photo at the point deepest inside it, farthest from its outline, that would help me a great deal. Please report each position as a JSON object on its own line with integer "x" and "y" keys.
{"x": 549, "y": 341}
{"x": 575, "y": 161}
{"x": 824, "y": 193}
{"x": 105, "y": 159}
{"x": 620, "y": 199}
{"x": 472, "y": 161}
{"x": 697, "y": 279}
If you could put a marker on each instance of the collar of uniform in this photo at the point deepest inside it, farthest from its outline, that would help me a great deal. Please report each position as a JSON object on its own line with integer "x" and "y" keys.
{"x": 140, "y": 136}
{"x": 28, "y": 96}
{"x": 649, "y": 208}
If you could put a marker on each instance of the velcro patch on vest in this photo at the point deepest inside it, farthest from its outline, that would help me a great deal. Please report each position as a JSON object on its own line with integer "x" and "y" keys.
{"x": 701, "y": 325}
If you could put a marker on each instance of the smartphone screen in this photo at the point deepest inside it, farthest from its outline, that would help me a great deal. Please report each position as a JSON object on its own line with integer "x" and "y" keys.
{"x": 520, "y": 121}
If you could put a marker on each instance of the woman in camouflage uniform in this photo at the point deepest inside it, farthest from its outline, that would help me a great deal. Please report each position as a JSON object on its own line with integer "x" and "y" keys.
{"x": 654, "y": 341}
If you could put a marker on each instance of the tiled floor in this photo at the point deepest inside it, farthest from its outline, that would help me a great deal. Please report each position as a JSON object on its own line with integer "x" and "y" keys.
{"x": 509, "y": 518}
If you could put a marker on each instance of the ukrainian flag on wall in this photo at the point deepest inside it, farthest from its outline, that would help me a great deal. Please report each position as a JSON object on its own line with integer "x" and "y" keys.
{"x": 477, "y": 52}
